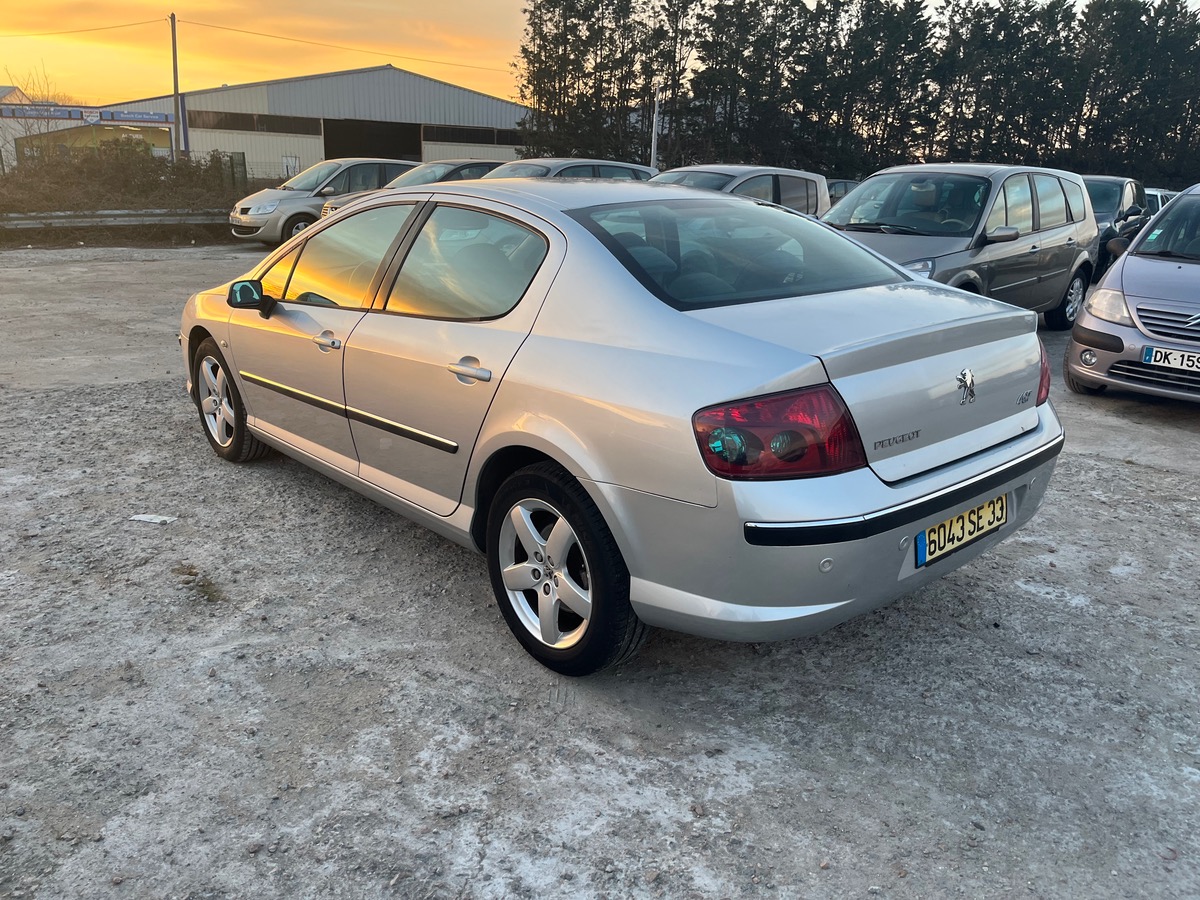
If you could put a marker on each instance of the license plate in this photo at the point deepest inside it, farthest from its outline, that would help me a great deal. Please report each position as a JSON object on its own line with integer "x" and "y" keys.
{"x": 1172, "y": 359}
{"x": 958, "y": 531}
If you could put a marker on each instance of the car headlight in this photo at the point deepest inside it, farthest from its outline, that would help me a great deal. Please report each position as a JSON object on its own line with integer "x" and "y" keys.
{"x": 1110, "y": 306}
{"x": 923, "y": 267}
{"x": 263, "y": 208}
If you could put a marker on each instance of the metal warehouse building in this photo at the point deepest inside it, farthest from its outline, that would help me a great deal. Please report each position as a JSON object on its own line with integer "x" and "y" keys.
{"x": 287, "y": 125}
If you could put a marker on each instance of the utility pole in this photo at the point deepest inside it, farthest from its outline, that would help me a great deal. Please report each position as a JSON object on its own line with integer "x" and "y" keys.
{"x": 176, "y": 143}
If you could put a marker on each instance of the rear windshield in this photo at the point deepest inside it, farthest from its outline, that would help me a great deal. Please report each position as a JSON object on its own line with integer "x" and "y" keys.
{"x": 712, "y": 181}
{"x": 1106, "y": 195}
{"x": 945, "y": 204}
{"x": 519, "y": 170}
{"x": 699, "y": 253}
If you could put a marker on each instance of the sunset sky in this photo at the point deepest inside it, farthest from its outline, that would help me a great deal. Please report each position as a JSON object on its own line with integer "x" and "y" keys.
{"x": 480, "y": 37}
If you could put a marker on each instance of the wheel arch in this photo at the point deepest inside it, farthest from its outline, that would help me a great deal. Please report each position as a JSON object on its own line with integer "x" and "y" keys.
{"x": 501, "y": 464}
{"x": 197, "y": 336}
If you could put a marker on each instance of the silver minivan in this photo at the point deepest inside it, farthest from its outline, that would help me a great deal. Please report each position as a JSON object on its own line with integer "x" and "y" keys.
{"x": 1019, "y": 234}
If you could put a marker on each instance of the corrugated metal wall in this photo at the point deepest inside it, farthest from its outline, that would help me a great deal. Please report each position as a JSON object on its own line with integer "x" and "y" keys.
{"x": 267, "y": 155}
{"x": 431, "y": 150}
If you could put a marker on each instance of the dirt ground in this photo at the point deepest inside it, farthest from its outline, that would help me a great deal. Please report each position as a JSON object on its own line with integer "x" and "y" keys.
{"x": 287, "y": 692}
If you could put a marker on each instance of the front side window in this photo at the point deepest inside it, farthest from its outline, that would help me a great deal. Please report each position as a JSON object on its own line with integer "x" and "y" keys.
{"x": 760, "y": 187}
{"x": 275, "y": 279}
{"x": 578, "y": 172}
{"x": 712, "y": 181}
{"x": 698, "y": 253}
{"x": 337, "y": 263}
{"x": 466, "y": 264}
{"x": 1013, "y": 207}
{"x": 617, "y": 172}
{"x": 1052, "y": 204}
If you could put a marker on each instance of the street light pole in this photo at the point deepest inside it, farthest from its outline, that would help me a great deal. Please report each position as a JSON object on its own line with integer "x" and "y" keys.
{"x": 654, "y": 127}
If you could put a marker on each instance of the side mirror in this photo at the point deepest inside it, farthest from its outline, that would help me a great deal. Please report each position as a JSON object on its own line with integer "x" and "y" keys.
{"x": 1132, "y": 213}
{"x": 1002, "y": 235}
{"x": 249, "y": 295}
{"x": 1117, "y": 246}
{"x": 328, "y": 191}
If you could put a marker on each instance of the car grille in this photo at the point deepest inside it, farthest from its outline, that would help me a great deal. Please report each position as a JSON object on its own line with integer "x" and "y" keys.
{"x": 324, "y": 211}
{"x": 245, "y": 229}
{"x": 1174, "y": 324}
{"x": 1137, "y": 373}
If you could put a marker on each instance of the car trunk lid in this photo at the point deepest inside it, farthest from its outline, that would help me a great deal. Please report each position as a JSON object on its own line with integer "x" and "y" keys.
{"x": 929, "y": 374}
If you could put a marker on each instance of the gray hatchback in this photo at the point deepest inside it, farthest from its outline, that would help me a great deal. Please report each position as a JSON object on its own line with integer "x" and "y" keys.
{"x": 1014, "y": 233}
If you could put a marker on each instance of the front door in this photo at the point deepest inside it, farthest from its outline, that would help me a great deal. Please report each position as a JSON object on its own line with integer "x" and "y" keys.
{"x": 420, "y": 374}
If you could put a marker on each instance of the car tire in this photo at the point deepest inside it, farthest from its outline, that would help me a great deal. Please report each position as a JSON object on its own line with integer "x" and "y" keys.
{"x": 294, "y": 225}
{"x": 1078, "y": 387}
{"x": 572, "y": 614}
{"x": 222, "y": 413}
{"x": 1063, "y": 316}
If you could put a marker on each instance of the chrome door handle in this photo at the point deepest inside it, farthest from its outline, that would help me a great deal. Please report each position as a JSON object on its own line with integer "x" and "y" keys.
{"x": 1035, "y": 249}
{"x": 326, "y": 342}
{"x": 467, "y": 373}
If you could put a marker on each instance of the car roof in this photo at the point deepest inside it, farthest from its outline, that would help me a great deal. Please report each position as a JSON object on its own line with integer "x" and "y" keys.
{"x": 981, "y": 170}
{"x": 376, "y": 159}
{"x": 741, "y": 169}
{"x": 560, "y": 193}
{"x": 1110, "y": 179}
{"x": 459, "y": 162}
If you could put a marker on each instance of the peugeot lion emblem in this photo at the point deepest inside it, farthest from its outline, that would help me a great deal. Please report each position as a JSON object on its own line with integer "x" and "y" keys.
{"x": 966, "y": 381}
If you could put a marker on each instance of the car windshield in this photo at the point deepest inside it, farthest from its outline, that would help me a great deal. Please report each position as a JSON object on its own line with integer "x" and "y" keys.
{"x": 1176, "y": 233}
{"x": 712, "y": 181}
{"x": 426, "y": 174}
{"x": 311, "y": 178}
{"x": 1106, "y": 195}
{"x": 699, "y": 253}
{"x": 945, "y": 204}
{"x": 519, "y": 170}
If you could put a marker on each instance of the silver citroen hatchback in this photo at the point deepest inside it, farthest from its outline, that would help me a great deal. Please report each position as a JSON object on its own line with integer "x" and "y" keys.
{"x": 1018, "y": 234}
{"x": 645, "y": 405}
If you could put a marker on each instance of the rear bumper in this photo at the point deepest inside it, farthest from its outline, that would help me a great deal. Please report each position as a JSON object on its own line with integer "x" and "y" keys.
{"x": 710, "y": 572}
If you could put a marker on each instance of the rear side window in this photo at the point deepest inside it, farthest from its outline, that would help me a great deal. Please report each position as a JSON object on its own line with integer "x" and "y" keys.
{"x": 578, "y": 172}
{"x": 798, "y": 193}
{"x": 466, "y": 264}
{"x": 697, "y": 253}
{"x": 1075, "y": 201}
{"x": 338, "y": 263}
{"x": 617, "y": 172}
{"x": 1052, "y": 203}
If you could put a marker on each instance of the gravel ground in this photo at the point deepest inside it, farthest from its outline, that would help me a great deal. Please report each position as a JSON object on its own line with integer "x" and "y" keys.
{"x": 286, "y": 691}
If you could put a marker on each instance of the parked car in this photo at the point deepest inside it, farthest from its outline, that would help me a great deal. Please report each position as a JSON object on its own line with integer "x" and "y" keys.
{"x": 839, "y": 188}
{"x": 572, "y": 168}
{"x": 426, "y": 173}
{"x": 1140, "y": 329}
{"x": 1121, "y": 210}
{"x": 804, "y": 192}
{"x": 645, "y": 405}
{"x": 276, "y": 214}
{"x": 1157, "y": 198}
{"x": 1014, "y": 233}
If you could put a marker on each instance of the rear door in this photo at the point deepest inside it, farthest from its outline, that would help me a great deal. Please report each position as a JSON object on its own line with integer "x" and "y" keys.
{"x": 1057, "y": 233}
{"x": 1013, "y": 268}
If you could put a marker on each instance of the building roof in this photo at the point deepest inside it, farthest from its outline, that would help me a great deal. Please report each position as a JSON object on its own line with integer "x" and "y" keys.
{"x": 10, "y": 93}
{"x": 372, "y": 93}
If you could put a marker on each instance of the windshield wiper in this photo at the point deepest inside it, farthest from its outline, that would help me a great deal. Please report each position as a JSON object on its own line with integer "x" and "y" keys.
{"x": 861, "y": 226}
{"x": 1166, "y": 254}
{"x": 893, "y": 228}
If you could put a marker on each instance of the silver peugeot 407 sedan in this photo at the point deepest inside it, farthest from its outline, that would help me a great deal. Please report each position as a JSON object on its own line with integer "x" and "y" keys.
{"x": 645, "y": 405}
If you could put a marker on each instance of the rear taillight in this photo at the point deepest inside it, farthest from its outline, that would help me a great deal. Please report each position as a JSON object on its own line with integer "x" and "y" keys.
{"x": 1044, "y": 381}
{"x": 793, "y": 435}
